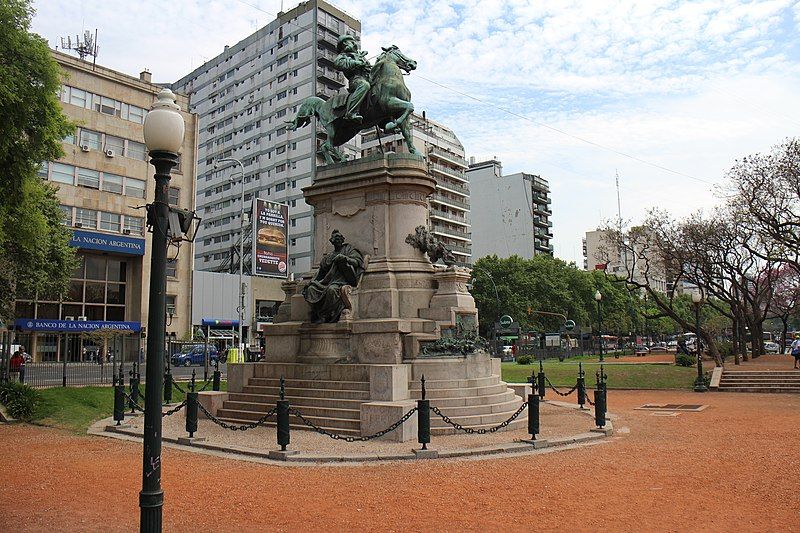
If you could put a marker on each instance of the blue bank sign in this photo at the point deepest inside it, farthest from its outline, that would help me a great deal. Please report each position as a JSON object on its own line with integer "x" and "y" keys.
{"x": 90, "y": 240}
{"x": 42, "y": 324}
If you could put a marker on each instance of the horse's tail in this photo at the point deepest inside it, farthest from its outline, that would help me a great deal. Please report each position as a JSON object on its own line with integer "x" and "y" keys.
{"x": 308, "y": 109}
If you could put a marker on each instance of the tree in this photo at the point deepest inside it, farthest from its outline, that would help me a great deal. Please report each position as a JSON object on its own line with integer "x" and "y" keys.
{"x": 34, "y": 252}
{"x": 785, "y": 302}
{"x": 766, "y": 189}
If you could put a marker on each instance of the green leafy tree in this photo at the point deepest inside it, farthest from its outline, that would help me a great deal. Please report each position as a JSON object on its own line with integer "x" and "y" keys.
{"x": 35, "y": 257}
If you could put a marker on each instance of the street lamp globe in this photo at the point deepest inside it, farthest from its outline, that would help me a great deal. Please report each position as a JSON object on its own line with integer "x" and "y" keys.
{"x": 163, "y": 125}
{"x": 697, "y": 297}
{"x": 598, "y": 296}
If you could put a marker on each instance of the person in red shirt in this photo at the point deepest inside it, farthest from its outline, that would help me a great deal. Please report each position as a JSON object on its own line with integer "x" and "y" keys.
{"x": 16, "y": 362}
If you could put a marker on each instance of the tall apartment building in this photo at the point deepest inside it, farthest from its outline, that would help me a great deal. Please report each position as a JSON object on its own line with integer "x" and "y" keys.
{"x": 449, "y": 205}
{"x": 510, "y": 214}
{"x": 243, "y": 98}
{"x": 104, "y": 180}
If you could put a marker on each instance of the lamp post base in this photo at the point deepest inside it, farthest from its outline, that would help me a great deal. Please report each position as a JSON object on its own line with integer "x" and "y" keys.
{"x": 700, "y": 385}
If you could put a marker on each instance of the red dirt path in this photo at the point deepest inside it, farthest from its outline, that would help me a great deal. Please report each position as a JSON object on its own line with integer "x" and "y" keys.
{"x": 732, "y": 467}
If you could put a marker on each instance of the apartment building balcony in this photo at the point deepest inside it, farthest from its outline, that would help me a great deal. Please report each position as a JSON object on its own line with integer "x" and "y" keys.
{"x": 452, "y": 233}
{"x": 326, "y": 55}
{"x": 331, "y": 76}
{"x": 440, "y": 198}
{"x": 541, "y": 198}
{"x": 540, "y": 210}
{"x": 326, "y": 38}
{"x": 544, "y": 248}
{"x": 449, "y": 156}
{"x": 450, "y": 172}
{"x": 452, "y": 187}
{"x": 324, "y": 92}
{"x": 457, "y": 249}
{"x": 436, "y": 213}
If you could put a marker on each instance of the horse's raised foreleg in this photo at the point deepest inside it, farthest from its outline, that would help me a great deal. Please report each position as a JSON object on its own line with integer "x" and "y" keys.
{"x": 397, "y": 106}
{"x": 405, "y": 129}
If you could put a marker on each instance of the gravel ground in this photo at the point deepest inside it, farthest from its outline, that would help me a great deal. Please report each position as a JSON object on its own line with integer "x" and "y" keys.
{"x": 554, "y": 422}
{"x": 731, "y": 467}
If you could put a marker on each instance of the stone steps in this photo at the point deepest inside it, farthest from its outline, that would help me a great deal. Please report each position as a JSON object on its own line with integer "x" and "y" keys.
{"x": 294, "y": 401}
{"x": 505, "y": 396}
{"x": 313, "y": 392}
{"x": 292, "y": 371}
{"x": 764, "y": 381}
{"x": 310, "y": 384}
{"x": 432, "y": 393}
{"x": 296, "y": 423}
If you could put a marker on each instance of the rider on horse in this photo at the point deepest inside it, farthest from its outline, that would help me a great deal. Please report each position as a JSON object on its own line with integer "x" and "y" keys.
{"x": 356, "y": 69}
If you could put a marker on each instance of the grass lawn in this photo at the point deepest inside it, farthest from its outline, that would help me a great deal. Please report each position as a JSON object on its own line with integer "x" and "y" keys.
{"x": 636, "y": 376}
{"x": 76, "y": 408}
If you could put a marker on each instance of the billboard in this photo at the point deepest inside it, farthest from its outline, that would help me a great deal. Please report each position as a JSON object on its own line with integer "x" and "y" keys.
{"x": 270, "y": 242}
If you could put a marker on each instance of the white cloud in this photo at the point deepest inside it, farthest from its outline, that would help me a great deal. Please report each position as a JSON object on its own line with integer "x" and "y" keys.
{"x": 686, "y": 85}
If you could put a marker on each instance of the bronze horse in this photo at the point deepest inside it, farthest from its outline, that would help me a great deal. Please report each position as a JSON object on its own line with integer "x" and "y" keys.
{"x": 387, "y": 105}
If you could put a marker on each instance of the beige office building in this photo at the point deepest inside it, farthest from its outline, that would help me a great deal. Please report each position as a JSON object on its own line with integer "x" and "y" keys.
{"x": 104, "y": 182}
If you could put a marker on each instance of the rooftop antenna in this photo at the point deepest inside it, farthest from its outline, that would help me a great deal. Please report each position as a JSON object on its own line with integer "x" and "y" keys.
{"x": 84, "y": 47}
{"x": 619, "y": 218}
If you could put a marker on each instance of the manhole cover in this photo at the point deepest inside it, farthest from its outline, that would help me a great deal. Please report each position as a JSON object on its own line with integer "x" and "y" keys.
{"x": 672, "y": 407}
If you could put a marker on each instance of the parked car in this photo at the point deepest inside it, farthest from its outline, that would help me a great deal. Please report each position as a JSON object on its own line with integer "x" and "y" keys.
{"x": 641, "y": 349}
{"x": 194, "y": 355}
{"x": 772, "y": 347}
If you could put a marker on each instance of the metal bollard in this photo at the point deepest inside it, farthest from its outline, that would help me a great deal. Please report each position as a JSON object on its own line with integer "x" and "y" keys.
{"x": 167, "y": 386}
{"x": 191, "y": 409}
{"x": 215, "y": 384}
{"x": 533, "y": 415}
{"x": 283, "y": 418}
{"x": 540, "y": 380}
{"x": 600, "y": 408}
{"x": 424, "y": 419}
{"x": 119, "y": 400}
{"x": 581, "y": 386}
{"x": 134, "y": 390}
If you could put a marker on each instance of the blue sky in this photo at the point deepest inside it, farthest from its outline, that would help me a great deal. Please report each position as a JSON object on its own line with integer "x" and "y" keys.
{"x": 687, "y": 86}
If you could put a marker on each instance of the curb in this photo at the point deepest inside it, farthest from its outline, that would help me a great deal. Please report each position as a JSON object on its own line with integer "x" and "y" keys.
{"x": 106, "y": 428}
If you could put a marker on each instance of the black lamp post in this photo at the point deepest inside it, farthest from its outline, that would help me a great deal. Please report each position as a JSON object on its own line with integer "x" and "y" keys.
{"x": 699, "y": 383}
{"x": 598, "y": 297}
{"x": 163, "y": 135}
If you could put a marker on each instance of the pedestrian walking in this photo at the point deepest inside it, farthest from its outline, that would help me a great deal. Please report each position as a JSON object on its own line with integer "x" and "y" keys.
{"x": 796, "y": 350}
{"x": 15, "y": 364}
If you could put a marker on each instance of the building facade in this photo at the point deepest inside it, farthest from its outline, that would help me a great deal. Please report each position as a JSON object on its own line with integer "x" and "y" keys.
{"x": 104, "y": 180}
{"x": 635, "y": 264}
{"x": 243, "y": 99}
{"x": 510, "y": 213}
{"x": 450, "y": 203}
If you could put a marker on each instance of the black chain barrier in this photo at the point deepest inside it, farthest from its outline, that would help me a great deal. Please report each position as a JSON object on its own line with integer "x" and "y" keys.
{"x": 570, "y": 391}
{"x": 174, "y": 409}
{"x": 479, "y": 431}
{"x": 133, "y": 403}
{"x": 205, "y": 386}
{"x": 234, "y": 427}
{"x": 351, "y": 438}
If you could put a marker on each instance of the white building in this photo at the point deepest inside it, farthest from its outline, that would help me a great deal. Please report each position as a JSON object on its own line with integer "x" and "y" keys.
{"x": 242, "y": 98}
{"x": 636, "y": 263}
{"x": 510, "y": 214}
{"x": 450, "y": 204}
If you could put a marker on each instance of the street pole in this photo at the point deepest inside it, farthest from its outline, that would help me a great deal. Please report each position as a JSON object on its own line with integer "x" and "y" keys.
{"x": 699, "y": 383}
{"x": 241, "y": 256}
{"x": 598, "y": 296}
{"x": 163, "y": 131}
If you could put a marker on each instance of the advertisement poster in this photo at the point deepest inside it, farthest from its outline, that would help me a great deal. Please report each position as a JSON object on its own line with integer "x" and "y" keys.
{"x": 270, "y": 241}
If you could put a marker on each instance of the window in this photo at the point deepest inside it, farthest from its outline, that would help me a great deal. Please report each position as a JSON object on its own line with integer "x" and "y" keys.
{"x": 171, "y": 304}
{"x": 69, "y": 139}
{"x": 42, "y": 172}
{"x": 62, "y": 173}
{"x": 294, "y": 223}
{"x": 137, "y": 150}
{"x": 87, "y": 218}
{"x": 279, "y": 187}
{"x": 134, "y": 187}
{"x": 77, "y": 97}
{"x": 115, "y": 144}
{"x": 105, "y": 105}
{"x": 90, "y": 138}
{"x": 136, "y": 114}
{"x": 66, "y": 211}
{"x": 112, "y": 183}
{"x": 174, "y": 194}
{"x": 110, "y": 221}
{"x": 172, "y": 268}
{"x": 88, "y": 178}
{"x": 134, "y": 224}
